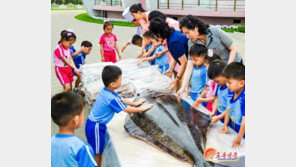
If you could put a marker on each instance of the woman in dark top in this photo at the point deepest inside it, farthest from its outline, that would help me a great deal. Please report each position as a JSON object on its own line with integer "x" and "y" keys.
{"x": 177, "y": 45}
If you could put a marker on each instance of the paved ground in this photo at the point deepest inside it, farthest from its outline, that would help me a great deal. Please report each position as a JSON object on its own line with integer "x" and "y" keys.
{"x": 61, "y": 20}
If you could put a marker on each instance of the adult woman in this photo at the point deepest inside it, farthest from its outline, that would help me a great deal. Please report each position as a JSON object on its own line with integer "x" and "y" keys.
{"x": 140, "y": 14}
{"x": 212, "y": 37}
{"x": 172, "y": 23}
{"x": 177, "y": 45}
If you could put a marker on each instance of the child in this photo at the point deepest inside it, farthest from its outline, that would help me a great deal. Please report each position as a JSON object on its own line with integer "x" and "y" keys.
{"x": 67, "y": 111}
{"x": 150, "y": 48}
{"x": 108, "y": 44}
{"x": 235, "y": 76}
{"x": 137, "y": 34}
{"x": 72, "y": 49}
{"x": 222, "y": 93}
{"x": 63, "y": 61}
{"x": 106, "y": 105}
{"x": 137, "y": 40}
{"x": 79, "y": 59}
{"x": 160, "y": 60}
{"x": 198, "y": 79}
{"x": 209, "y": 94}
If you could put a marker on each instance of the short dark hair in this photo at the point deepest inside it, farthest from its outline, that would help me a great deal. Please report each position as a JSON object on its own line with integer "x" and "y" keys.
{"x": 160, "y": 28}
{"x": 110, "y": 74}
{"x": 190, "y": 22}
{"x": 136, "y": 38}
{"x": 107, "y": 23}
{"x": 86, "y": 44}
{"x": 215, "y": 68}
{"x": 64, "y": 106}
{"x": 234, "y": 70}
{"x": 148, "y": 34}
{"x": 67, "y": 35}
{"x": 156, "y": 13}
{"x": 198, "y": 50}
{"x": 136, "y": 7}
{"x": 201, "y": 50}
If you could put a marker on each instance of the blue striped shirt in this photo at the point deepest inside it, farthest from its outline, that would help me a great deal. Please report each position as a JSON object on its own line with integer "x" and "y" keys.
{"x": 223, "y": 94}
{"x": 236, "y": 108}
{"x": 106, "y": 105}
{"x": 69, "y": 150}
{"x": 198, "y": 79}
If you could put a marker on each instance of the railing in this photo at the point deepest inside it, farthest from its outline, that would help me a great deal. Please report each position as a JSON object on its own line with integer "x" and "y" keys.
{"x": 214, "y": 5}
{"x": 108, "y": 2}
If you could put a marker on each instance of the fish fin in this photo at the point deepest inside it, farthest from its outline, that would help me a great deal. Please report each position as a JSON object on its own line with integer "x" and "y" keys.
{"x": 168, "y": 113}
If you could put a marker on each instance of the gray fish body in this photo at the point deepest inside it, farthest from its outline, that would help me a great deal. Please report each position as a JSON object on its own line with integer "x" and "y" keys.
{"x": 173, "y": 127}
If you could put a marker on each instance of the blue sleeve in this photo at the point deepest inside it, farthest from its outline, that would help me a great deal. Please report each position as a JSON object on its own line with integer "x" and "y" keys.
{"x": 216, "y": 92}
{"x": 229, "y": 97}
{"x": 207, "y": 78}
{"x": 243, "y": 107}
{"x": 85, "y": 157}
{"x": 72, "y": 49}
{"x": 117, "y": 104}
{"x": 204, "y": 77}
{"x": 177, "y": 49}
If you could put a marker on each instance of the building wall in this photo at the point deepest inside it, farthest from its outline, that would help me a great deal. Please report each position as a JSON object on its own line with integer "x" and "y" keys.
{"x": 216, "y": 20}
{"x": 117, "y": 15}
{"x": 208, "y": 20}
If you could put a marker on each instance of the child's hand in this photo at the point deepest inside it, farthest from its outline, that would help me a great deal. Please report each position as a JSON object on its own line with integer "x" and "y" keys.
{"x": 214, "y": 119}
{"x": 180, "y": 92}
{"x": 123, "y": 48}
{"x": 175, "y": 84}
{"x": 147, "y": 107}
{"x": 158, "y": 54}
{"x": 224, "y": 130}
{"x": 137, "y": 104}
{"x": 196, "y": 103}
{"x": 102, "y": 59}
{"x": 139, "y": 63}
{"x": 77, "y": 72}
{"x": 169, "y": 73}
{"x": 145, "y": 55}
{"x": 140, "y": 55}
{"x": 236, "y": 142}
{"x": 203, "y": 93}
{"x": 212, "y": 114}
{"x": 119, "y": 56}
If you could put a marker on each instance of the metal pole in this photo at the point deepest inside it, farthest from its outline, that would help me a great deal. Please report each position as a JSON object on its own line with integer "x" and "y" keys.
{"x": 157, "y": 4}
{"x": 198, "y": 2}
{"x": 216, "y": 5}
{"x": 168, "y": 5}
{"x": 111, "y": 2}
{"x": 182, "y": 4}
{"x": 234, "y": 5}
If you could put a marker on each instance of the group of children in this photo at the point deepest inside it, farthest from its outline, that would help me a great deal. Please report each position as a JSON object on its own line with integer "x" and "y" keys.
{"x": 213, "y": 81}
{"x": 213, "y": 84}
{"x": 67, "y": 59}
{"x": 67, "y": 111}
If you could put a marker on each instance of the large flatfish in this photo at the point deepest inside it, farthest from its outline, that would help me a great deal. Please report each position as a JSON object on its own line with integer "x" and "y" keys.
{"x": 172, "y": 126}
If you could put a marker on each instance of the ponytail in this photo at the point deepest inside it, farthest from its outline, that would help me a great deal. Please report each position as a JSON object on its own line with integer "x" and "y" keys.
{"x": 67, "y": 35}
{"x": 137, "y": 7}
